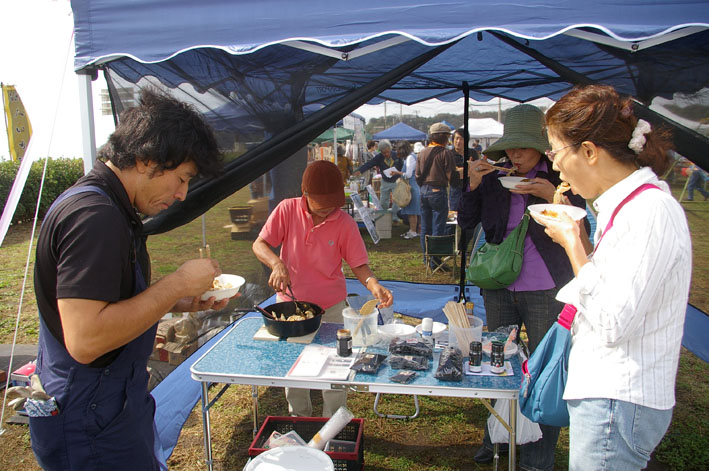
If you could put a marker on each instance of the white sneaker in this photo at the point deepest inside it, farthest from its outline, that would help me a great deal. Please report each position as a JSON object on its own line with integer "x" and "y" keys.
{"x": 410, "y": 235}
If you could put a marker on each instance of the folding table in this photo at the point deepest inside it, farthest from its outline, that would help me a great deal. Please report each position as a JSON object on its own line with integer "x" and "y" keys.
{"x": 239, "y": 359}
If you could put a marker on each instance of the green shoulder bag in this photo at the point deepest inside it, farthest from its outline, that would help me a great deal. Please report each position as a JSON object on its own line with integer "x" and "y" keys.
{"x": 496, "y": 266}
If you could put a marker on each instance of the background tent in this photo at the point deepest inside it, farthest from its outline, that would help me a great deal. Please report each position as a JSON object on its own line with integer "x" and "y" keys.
{"x": 342, "y": 135}
{"x": 488, "y": 130}
{"x": 253, "y": 57}
{"x": 400, "y": 132}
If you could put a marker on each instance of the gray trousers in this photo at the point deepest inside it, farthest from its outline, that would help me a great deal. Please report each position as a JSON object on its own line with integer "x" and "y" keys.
{"x": 299, "y": 403}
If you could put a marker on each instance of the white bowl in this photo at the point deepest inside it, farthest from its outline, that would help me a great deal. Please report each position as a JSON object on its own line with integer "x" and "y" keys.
{"x": 403, "y": 331}
{"x": 438, "y": 328}
{"x": 511, "y": 182}
{"x": 574, "y": 212}
{"x": 235, "y": 282}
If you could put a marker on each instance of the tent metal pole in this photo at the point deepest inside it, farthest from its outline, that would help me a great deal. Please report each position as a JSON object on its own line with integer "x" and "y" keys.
{"x": 88, "y": 129}
{"x": 466, "y": 154}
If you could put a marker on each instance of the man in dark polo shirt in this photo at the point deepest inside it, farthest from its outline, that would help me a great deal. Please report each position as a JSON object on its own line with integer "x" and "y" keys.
{"x": 434, "y": 169}
{"x": 98, "y": 316}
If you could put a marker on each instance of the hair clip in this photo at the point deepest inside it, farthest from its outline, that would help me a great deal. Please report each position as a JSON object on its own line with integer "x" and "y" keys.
{"x": 637, "y": 142}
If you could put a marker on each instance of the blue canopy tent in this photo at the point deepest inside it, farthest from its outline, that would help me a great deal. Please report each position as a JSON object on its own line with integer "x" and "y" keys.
{"x": 255, "y": 58}
{"x": 251, "y": 62}
{"x": 400, "y": 132}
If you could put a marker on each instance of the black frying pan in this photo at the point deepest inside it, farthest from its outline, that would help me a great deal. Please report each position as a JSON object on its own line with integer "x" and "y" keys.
{"x": 293, "y": 328}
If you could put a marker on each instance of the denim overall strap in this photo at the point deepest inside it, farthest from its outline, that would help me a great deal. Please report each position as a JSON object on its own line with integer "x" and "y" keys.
{"x": 105, "y": 418}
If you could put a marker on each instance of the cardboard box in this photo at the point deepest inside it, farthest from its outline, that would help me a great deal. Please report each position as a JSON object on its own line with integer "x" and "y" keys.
{"x": 382, "y": 222}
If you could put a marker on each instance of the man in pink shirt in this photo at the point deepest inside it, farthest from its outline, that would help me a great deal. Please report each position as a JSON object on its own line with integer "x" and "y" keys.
{"x": 315, "y": 235}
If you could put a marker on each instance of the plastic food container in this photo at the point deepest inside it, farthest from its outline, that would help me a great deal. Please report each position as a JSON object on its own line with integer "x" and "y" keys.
{"x": 461, "y": 337}
{"x": 363, "y": 327}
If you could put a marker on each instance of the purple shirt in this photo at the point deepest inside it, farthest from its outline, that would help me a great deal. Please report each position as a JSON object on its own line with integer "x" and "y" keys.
{"x": 534, "y": 275}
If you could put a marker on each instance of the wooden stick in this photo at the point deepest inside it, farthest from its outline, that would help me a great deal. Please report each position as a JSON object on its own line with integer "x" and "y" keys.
{"x": 209, "y": 255}
{"x": 504, "y": 169}
{"x": 201, "y": 252}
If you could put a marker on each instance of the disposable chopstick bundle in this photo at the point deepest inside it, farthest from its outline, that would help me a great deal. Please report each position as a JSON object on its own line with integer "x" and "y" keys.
{"x": 455, "y": 312}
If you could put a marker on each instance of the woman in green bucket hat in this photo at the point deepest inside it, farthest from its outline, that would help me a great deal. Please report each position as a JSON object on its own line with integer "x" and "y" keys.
{"x": 530, "y": 299}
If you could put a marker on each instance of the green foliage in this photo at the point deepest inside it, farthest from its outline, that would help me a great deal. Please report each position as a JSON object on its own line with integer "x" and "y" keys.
{"x": 61, "y": 174}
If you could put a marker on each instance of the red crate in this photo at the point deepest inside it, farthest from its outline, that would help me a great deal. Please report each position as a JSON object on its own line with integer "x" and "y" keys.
{"x": 307, "y": 427}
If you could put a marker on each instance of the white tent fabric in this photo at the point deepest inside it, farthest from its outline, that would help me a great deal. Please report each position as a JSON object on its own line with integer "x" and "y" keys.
{"x": 484, "y": 127}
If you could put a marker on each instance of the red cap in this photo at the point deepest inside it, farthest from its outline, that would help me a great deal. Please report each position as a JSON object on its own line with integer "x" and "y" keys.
{"x": 322, "y": 182}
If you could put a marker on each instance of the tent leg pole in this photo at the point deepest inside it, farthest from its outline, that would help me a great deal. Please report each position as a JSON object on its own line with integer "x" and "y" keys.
{"x": 205, "y": 421}
{"x": 88, "y": 129}
{"x": 254, "y": 399}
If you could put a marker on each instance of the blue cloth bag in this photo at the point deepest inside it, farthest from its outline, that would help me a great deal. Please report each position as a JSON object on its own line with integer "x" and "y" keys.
{"x": 545, "y": 373}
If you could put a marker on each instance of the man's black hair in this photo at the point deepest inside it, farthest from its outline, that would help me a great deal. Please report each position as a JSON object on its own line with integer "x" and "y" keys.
{"x": 163, "y": 130}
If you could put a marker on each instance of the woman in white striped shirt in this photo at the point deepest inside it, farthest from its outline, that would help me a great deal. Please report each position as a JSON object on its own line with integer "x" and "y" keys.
{"x": 631, "y": 292}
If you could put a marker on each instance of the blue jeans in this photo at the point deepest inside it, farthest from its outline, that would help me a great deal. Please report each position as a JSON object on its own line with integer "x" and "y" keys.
{"x": 434, "y": 212}
{"x": 611, "y": 434}
{"x": 538, "y": 311}
{"x": 696, "y": 182}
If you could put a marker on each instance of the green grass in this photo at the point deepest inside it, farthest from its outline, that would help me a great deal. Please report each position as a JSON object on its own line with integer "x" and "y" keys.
{"x": 445, "y": 435}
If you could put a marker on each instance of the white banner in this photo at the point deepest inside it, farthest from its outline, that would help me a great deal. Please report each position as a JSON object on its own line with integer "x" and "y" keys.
{"x": 14, "y": 197}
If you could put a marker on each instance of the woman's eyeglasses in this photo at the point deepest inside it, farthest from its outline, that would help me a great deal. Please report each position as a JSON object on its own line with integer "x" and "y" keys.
{"x": 552, "y": 153}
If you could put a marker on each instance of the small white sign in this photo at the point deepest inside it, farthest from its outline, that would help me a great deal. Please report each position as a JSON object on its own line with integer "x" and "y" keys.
{"x": 374, "y": 197}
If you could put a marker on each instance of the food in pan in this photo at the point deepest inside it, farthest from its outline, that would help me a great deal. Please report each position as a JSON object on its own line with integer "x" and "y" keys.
{"x": 559, "y": 193}
{"x": 299, "y": 316}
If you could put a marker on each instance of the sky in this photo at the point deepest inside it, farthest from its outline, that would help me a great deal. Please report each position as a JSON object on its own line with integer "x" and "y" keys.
{"x": 37, "y": 57}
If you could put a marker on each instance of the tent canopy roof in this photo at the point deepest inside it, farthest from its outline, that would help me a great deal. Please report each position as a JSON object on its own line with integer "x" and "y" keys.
{"x": 255, "y": 73}
{"x": 400, "y": 132}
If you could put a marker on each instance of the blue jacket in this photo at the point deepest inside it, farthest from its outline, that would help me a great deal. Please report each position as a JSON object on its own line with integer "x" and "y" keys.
{"x": 379, "y": 162}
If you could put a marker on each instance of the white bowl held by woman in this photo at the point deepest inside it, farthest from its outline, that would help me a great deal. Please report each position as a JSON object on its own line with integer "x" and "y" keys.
{"x": 230, "y": 285}
{"x": 511, "y": 182}
{"x": 551, "y": 211}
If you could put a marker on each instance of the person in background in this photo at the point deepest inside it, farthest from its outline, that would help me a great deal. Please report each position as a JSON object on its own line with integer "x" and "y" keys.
{"x": 344, "y": 164}
{"x": 413, "y": 210}
{"x": 631, "y": 292}
{"x": 478, "y": 149}
{"x": 434, "y": 170}
{"x": 384, "y": 160}
{"x": 696, "y": 182}
{"x": 529, "y": 300}
{"x": 98, "y": 313}
{"x": 456, "y": 186}
{"x": 315, "y": 235}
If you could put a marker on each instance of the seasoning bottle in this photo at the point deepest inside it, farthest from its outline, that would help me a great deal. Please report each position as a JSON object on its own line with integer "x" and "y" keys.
{"x": 476, "y": 357}
{"x": 426, "y": 327}
{"x": 497, "y": 357}
{"x": 344, "y": 343}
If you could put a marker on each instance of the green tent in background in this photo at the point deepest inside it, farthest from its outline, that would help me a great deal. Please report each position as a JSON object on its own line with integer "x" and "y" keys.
{"x": 342, "y": 135}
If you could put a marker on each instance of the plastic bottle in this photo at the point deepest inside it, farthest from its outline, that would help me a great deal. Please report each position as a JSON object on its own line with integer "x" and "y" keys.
{"x": 426, "y": 327}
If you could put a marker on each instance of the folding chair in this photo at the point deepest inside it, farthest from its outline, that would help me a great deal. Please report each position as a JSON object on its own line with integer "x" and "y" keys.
{"x": 438, "y": 251}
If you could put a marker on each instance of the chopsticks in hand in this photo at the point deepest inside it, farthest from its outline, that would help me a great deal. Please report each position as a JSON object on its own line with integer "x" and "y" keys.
{"x": 204, "y": 249}
{"x": 505, "y": 169}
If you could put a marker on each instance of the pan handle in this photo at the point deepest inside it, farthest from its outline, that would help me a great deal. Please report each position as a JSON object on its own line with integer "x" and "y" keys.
{"x": 264, "y": 312}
